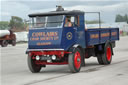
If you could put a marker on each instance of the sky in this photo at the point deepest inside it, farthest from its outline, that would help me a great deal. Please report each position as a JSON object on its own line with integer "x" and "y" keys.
{"x": 21, "y": 8}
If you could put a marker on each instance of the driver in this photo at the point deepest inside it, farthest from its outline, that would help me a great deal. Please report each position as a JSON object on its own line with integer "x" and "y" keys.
{"x": 68, "y": 22}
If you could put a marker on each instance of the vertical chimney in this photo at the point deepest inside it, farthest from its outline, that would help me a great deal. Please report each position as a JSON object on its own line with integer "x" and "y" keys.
{"x": 59, "y": 8}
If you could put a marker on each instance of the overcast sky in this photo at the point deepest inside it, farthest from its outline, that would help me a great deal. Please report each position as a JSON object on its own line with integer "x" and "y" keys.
{"x": 21, "y": 8}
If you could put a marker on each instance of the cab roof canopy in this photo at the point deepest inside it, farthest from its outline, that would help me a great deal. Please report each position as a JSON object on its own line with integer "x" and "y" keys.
{"x": 52, "y": 13}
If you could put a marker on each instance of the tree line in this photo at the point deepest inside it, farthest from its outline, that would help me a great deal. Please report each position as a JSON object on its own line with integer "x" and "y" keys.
{"x": 121, "y": 18}
{"x": 15, "y": 24}
{"x": 18, "y": 24}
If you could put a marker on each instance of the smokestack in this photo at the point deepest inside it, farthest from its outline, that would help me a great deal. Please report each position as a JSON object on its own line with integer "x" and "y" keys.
{"x": 59, "y": 8}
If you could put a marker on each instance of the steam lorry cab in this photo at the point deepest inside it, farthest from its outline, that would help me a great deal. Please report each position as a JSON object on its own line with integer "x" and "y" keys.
{"x": 52, "y": 41}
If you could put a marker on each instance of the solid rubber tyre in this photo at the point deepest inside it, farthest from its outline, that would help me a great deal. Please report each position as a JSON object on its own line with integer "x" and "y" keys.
{"x": 13, "y": 42}
{"x": 74, "y": 61}
{"x": 4, "y": 43}
{"x": 105, "y": 58}
{"x": 107, "y": 55}
{"x": 33, "y": 67}
{"x": 99, "y": 58}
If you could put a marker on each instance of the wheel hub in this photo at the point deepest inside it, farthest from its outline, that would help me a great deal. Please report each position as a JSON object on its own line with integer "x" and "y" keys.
{"x": 77, "y": 60}
{"x": 109, "y": 53}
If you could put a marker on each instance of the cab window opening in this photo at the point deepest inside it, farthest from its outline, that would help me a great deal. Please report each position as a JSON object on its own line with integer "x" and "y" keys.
{"x": 47, "y": 21}
{"x": 69, "y": 21}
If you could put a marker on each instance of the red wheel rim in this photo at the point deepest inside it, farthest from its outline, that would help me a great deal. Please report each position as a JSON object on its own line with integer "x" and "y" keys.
{"x": 109, "y": 53}
{"x": 77, "y": 60}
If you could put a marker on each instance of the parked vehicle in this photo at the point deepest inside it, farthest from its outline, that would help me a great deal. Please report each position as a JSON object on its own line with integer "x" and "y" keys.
{"x": 60, "y": 37}
{"x": 7, "y": 37}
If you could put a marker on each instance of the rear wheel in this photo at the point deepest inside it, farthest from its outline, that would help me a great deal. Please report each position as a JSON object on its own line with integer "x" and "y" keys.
{"x": 99, "y": 58}
{"x": 13, "y": 42}
{"x": 74, "y": 61}
{"x": 34, "y": 68}
{"x": 105, "y": 57}
{"x": 4, "y": 43}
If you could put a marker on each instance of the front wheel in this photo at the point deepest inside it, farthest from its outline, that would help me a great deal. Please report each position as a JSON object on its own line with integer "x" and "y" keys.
{"x": 74, "y": 61}
{"x": 34, "y": 68}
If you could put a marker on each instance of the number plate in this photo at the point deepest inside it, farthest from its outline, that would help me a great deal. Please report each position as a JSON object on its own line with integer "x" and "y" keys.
{"x": 45, "y": 58}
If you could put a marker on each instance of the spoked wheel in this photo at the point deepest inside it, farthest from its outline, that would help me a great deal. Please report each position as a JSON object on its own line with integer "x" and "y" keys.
{"x": 106, "y": 57}
{"x": 34, "y": 68}
{"x": 74, "y": 61}
{"x": 4, "y": 43}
